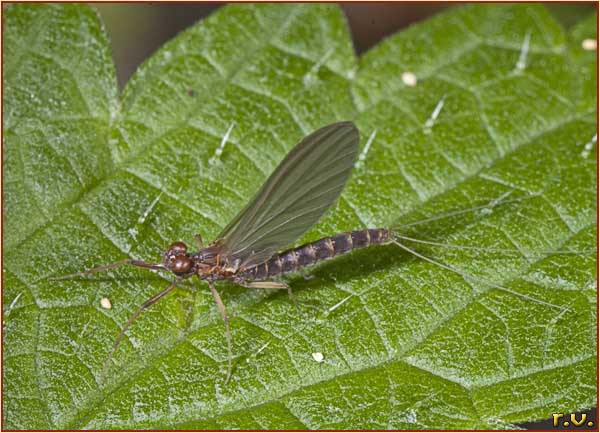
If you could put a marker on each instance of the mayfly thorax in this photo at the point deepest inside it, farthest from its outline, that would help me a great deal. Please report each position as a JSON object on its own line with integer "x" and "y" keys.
{"x": 306, "y": 183}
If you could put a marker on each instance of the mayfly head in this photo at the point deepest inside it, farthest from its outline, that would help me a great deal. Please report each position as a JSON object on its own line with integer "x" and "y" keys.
{"x": 177, "y": 260}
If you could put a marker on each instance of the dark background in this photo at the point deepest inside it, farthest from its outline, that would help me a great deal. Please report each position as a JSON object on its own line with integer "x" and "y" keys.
{"x": 137, "y": 30}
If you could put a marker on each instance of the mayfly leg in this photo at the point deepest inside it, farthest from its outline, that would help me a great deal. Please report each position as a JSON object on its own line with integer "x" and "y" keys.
{"x": 225, "y": 317}
{"x": 274, "y": 285}
{"x": 133, "y": 262}
{"x": 154, "y": 299}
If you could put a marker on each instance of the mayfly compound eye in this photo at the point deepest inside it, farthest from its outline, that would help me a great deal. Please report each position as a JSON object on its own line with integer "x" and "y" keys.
{"x": 177, "y": 248}
{"x": 181, "y": 264}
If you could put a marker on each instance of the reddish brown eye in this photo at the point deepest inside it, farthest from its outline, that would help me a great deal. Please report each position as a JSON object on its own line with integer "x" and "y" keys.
{"x": 177, "y": 248}
{"x": 181, "y": 264}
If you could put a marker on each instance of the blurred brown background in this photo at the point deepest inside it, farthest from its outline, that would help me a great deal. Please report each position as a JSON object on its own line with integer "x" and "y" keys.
{"x": 137, "y": 30}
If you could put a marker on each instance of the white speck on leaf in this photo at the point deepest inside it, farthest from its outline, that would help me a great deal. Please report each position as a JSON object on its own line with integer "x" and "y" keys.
{"x": 312, "y": 73}
{"x": 143, "y": 217}
{"x": 339, "y": 304}
{"x": 587, "y": 148}
{"x": 363, "y": 154}
{"x": 263, "y": 347}
{"x": 409, "y": 78}
{"x": 219, "y": 150}
{"x": 589, "y": 44}
{"x": 522, "y": 62}
{"x": 318, "y": 356}
{"x": 12, "y": 304}
{"x": 434, "y": 115}
{"x": 105, "y": 303}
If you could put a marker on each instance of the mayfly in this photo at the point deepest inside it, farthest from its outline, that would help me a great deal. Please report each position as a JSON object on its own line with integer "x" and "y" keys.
{"x": 304, "y": 185}
{"x": 248, "y": 251}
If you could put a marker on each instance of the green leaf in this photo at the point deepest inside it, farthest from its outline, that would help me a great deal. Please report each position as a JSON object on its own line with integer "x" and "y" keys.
{"x": 60, "y": 93}
{"x": 406, "y": 343}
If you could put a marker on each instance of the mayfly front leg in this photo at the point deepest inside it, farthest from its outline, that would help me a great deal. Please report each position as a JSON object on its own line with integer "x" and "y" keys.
{"x": 132, "y": 262}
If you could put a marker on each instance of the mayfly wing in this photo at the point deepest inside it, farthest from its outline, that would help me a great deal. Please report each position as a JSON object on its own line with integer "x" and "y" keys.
{"x": 304, "y": 185}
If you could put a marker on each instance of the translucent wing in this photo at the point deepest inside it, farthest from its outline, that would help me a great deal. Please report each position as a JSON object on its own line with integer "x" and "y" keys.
{"x": 308, "y": 180}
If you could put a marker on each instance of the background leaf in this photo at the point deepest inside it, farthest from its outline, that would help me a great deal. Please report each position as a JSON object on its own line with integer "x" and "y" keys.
{"x": 60, "y": 94}
{"x": 406, "y": 344}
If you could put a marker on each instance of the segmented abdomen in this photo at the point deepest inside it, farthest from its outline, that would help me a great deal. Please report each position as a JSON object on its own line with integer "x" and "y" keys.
{"x": 308, "y": 254}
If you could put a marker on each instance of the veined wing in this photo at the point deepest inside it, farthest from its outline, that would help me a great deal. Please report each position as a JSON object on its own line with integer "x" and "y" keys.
{"x": 304, "y": 185}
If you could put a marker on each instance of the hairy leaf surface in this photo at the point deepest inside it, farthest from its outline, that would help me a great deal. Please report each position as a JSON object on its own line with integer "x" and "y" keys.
{"x": 502, "y": 116}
